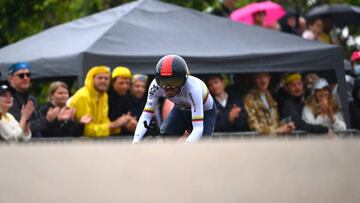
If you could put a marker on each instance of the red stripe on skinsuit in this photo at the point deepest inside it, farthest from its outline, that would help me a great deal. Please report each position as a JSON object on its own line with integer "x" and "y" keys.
{"x": 207, "y": 95}
{"x": 166, "y": 67}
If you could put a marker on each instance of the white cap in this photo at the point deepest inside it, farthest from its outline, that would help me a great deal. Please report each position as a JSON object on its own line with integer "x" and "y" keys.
{"x": 319, "y": 84}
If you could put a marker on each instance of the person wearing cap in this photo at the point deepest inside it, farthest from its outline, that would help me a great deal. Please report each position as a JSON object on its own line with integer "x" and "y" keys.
{"x": 10, "y": 128}
{"x": 119, "y": 103}
{"x": 137, "y": 94}
{"x": 292, "y": 101}
{"x": 321, "y": 107}
{"x": 355, "y": 106}
{"x": 92, "y": 100}
{"x": 355, "y": 62}
{"x": 20, "y": 80}
{"x": 262, "y": 109}
{"x": 352, "y": 72}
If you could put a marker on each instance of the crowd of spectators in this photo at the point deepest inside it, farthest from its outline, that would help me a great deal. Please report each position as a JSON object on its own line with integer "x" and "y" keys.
{"x": 111, "y": 102}
{"x": 319, "y": 28}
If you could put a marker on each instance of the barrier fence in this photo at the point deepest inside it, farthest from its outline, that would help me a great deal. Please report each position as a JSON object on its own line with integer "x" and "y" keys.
{"x": 350, "y": 133}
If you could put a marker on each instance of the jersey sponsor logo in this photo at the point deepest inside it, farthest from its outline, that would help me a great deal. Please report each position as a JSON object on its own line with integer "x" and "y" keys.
{"x": 152, "y": 90}
{"x": 166, "y": 66}
{"x": 192, "y": 101}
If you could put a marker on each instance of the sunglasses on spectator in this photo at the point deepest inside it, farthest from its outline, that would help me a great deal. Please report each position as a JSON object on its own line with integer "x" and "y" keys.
{"x": 22, "y": 75}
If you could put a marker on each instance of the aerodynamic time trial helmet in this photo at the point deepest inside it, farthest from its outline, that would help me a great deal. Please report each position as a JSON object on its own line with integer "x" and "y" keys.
{"x": 171, "y": 72}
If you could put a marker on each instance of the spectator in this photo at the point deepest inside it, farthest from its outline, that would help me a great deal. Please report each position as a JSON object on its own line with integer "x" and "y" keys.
{"x": 225, "y": 8}
{"x": 231, "y": 115}
{"x": 138, "y": 94}
{"x": 119, "y": 104}
{"x": 355, "y": 106}
{"x": 355, "y": 62}
{"x": 308, "y": 83}
{"x": 288, "y": 22}
{"x": 92, "y": 100}
{"x": 314, "y": 29}
{"x": 329, "y": 34}
{"x": 349, "y": 81}
{"x": 263, "y": 115}
{"x": 259, "y": 17}
{"x": 20, "y": 79}
{"x": 291, "y": 104}
{"x": 10, "y": 129}
{"x": 352, "y": 72}
{"x": 65, "y": 124}
{"x": 302, "y": 24}
{"x": 321, "y": 107}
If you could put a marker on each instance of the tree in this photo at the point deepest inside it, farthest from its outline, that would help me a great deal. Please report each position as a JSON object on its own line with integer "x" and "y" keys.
{"x": 20, "y": 19}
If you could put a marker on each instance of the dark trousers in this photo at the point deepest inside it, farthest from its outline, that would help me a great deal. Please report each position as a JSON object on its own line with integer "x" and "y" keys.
{"x": 180, "y": 120}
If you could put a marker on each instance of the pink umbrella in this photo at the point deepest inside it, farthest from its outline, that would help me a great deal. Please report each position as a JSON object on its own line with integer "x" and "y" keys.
{"x": 273, "y": 13}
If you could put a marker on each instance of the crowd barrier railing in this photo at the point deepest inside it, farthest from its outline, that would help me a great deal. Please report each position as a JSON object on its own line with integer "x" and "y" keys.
{"x": 350, "y": 133}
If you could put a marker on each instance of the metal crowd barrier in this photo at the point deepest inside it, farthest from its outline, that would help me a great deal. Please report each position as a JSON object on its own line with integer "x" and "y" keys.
{"x": 350, "y": 133}
{"x": 295, "y": 134}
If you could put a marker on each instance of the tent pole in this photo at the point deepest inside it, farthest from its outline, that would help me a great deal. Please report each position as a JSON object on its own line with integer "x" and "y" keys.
{"x": 340, "y": 76}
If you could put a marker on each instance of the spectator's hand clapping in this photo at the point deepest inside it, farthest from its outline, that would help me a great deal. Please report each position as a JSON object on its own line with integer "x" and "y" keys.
{"x": 52, "y": 114}
{"x": 66, "y": 113}
{"x": 326, "y": 109}
{"x": 234, "y": 113}
{"x": 324, "y": 106}
{"x": 131, "y": 125}
{"x": 27, "y": 110}
{"x": 86, "y": 119}
{"x": 123, "y": 120}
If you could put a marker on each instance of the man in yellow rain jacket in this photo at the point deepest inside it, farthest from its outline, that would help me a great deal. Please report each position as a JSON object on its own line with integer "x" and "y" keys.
{"x": 92, "y": 100}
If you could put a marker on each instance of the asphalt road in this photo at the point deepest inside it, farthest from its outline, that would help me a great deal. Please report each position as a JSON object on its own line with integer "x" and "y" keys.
{"x": 237, "y": 170}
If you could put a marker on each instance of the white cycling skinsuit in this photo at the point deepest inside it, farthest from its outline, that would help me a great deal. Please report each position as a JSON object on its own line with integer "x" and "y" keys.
{"x": 194, "y": 96}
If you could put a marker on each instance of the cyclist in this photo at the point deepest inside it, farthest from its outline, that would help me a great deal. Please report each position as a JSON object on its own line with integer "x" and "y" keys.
{"x": 194, "y": 107}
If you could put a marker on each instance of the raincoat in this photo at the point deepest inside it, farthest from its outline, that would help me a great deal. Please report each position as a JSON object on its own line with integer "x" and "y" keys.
{"x": 89, "y": 101}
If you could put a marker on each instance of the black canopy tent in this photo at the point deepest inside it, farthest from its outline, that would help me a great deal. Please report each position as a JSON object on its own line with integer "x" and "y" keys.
{"x": 137, "y": 34}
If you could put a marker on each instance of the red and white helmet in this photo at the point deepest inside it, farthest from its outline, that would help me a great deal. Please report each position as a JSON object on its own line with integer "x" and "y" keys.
{"x": 171, "y": 72}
